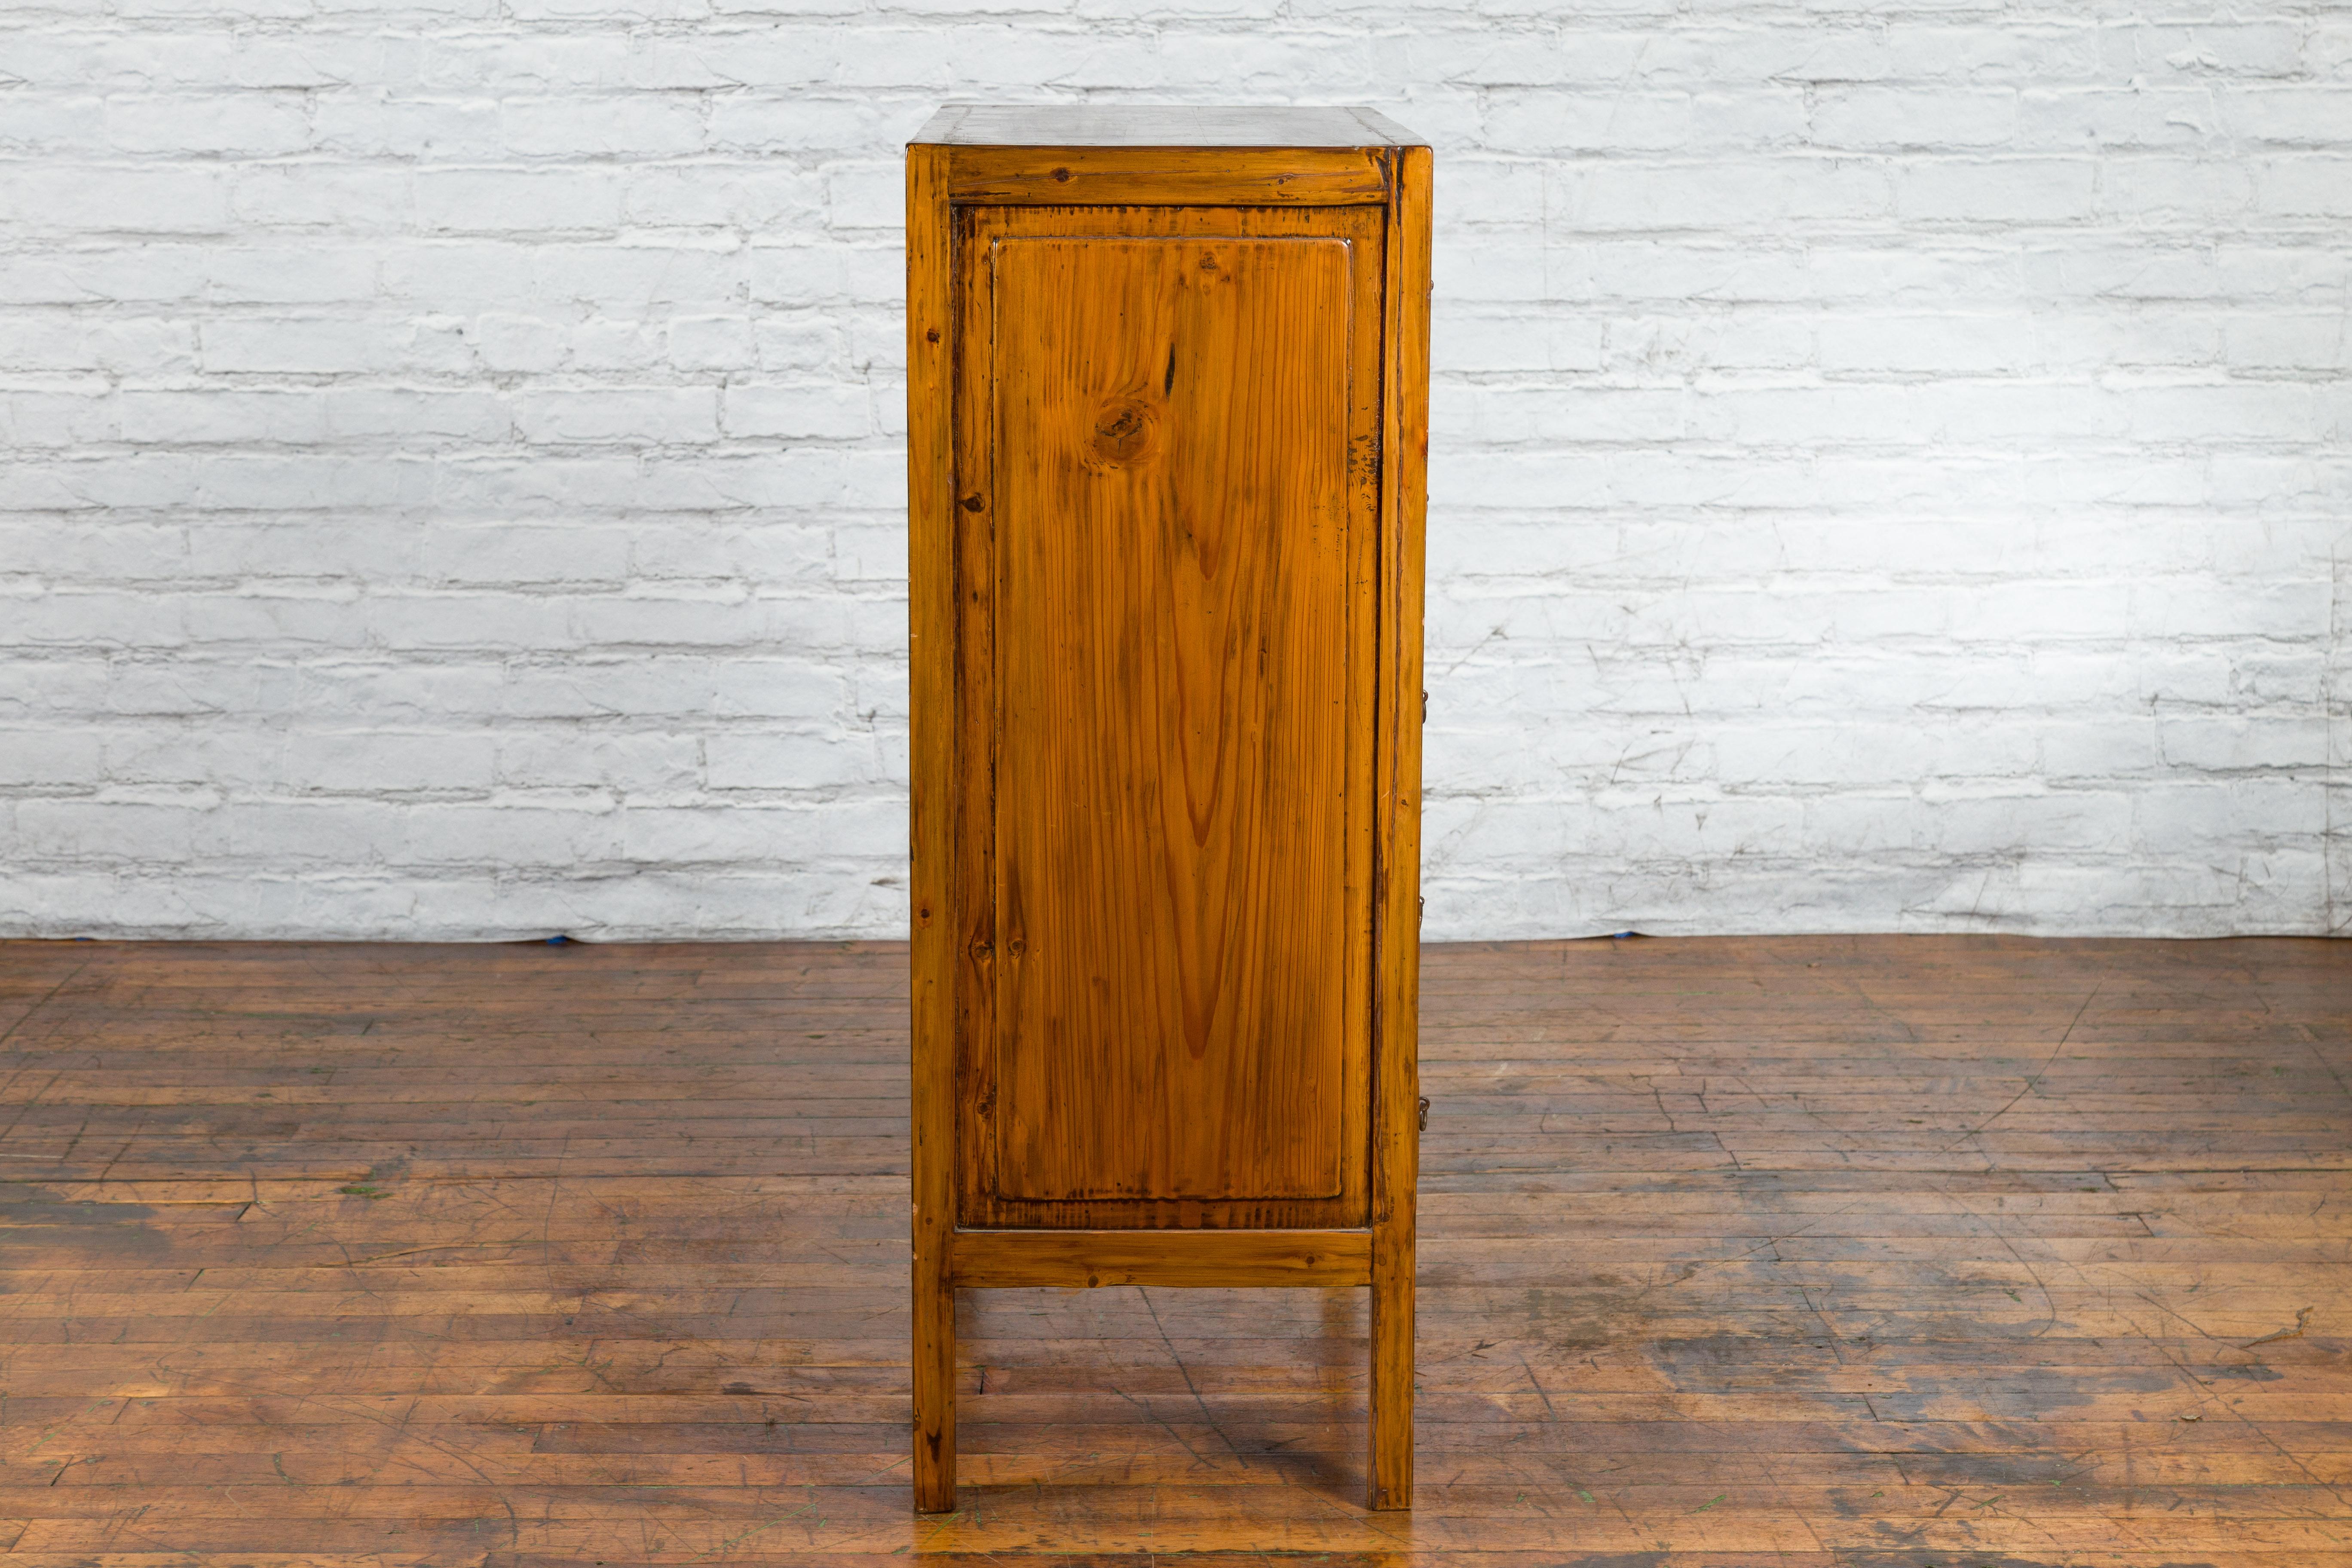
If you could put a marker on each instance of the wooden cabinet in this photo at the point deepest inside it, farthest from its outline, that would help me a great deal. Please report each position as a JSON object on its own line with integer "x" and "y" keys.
{"x": 1167, "y": 399}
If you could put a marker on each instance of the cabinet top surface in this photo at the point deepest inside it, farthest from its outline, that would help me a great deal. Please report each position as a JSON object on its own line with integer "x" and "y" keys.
{"x": 1158, "y": 125}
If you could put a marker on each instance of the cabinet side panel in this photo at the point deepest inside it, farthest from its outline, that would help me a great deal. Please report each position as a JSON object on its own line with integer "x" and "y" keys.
{"x": 1171, "y": 421}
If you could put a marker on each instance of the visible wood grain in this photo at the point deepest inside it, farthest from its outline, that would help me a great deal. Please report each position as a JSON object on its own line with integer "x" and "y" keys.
{"x": 1172, "y": 640}
{"x": 1175, "y": 804}
{"x": 931, "y": 634}
{"x": 1094, "y": 1258}
{"x": 1396, "y": 1146}
{"x": 1833, "y": 1252}
{"x": 1170, "y": 407}
{"x": 1123, "y": 177}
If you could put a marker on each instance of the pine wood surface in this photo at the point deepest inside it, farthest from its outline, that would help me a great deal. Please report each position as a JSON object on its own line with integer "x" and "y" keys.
{"x": 1172, "y": 176}
{"x": 1396, "y": 1010}
{"x": 1121, "y": 678}
{"x": 1172, "y": 549}
{"x": 1883, "y": 1251}
{"x": 934, "y": 738}
{"x": 1095, "y": 1258}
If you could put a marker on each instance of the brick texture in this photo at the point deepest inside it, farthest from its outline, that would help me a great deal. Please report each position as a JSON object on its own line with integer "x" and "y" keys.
{"x": 1891, "y": 461}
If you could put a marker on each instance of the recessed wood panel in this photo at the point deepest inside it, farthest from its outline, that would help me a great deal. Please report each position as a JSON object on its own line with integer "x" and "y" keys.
{"x": 1115, "y": 432}
{"x": 1171, "y": 425}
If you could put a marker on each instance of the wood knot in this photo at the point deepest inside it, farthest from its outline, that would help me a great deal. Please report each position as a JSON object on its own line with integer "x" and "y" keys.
{"x": 1123, "y": 431}
{"x": 1062, "y": 177}
{"x": 932, "y": 336}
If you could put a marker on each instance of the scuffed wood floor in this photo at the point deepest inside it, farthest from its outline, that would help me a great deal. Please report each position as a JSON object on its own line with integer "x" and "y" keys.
{"x": 1891, "y": 1251}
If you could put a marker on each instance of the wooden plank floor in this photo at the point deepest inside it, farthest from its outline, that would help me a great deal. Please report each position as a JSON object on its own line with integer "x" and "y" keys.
{"x": 1891, "y": 1251}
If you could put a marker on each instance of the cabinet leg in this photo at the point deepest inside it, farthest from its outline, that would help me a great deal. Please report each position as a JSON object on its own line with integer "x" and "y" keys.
{"x": 1392, "y": 1280}
{"x": 935, "y": 1412}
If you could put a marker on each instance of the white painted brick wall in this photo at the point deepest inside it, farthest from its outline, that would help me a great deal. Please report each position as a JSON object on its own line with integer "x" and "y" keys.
{"x": 1891, "y": 470}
